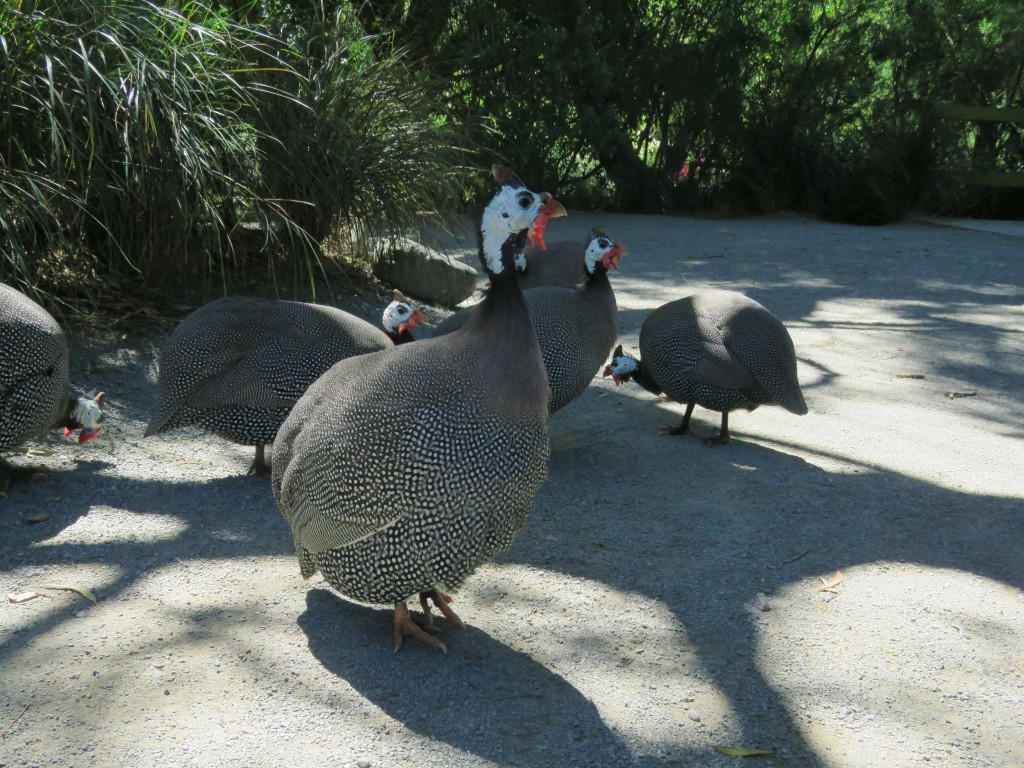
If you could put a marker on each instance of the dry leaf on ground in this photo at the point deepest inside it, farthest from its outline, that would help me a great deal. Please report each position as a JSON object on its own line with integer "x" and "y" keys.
{"x": 73, "y": 588}
{"x": 829, "y": 586}
{"x": 24, "y": 597}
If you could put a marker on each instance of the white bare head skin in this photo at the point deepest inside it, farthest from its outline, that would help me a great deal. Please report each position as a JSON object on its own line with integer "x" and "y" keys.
{"x": 87, "y": 412}
{"x": 621, "y": 367}
{"x": 512, "y": 209}
{"x": 604, "y": 250}
{"x": 401, "y": 314}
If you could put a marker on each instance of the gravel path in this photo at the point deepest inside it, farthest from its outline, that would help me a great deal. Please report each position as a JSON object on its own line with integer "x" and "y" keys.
{"x": 666, "y": 597}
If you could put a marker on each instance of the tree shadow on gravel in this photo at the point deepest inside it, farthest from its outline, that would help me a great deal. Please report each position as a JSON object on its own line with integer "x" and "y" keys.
{"x": 702, "y": 530}
{"x": 238, "y": 504}
{"x": 219, "y": 518}
{"x": 477, "y": 700}
{"x": 26, "y": 498}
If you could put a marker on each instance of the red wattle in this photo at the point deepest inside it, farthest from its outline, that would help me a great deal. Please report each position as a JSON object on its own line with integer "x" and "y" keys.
{"x": 536, "y": 234}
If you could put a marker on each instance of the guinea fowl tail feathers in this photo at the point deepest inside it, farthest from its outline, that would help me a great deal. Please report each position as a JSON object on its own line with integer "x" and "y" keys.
{"x": 166, "y": 422}
{"x": 793, "y": 401}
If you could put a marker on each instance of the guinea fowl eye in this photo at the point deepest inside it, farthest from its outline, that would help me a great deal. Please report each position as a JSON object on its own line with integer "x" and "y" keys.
{"x": 604, "y": 243}
{"x": 524, "y": 199}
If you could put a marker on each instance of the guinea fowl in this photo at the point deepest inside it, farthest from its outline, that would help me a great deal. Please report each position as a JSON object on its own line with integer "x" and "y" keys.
{"x": 34, "y": 386}
{"x": 402, "y": 471}
{"x": 576, "y": 327}
{"x": 716, "y": 349}
{"x": 237, "y": 365}
{"x": 560, "y": 264}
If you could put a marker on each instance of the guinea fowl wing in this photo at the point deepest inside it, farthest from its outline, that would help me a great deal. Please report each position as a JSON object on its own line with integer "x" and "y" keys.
{"x": 245, "y": 352}
{"x": 684, "y": 345}
{"x": 264, "y": 376}
{"x": 761, "y": 342}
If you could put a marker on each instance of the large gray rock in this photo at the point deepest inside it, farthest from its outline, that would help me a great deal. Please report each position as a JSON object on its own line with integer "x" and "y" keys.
{"x": 423, "y": 273}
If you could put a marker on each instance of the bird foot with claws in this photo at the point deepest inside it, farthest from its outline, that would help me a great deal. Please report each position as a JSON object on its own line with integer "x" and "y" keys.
{"x": 677, "y": 430}
{"x": 406, "y": 627}
{"x": 259, "y": 466}
{"x": 442, "y": 601}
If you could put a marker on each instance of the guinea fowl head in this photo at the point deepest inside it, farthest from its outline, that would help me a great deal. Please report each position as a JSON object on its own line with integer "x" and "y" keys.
{"x": 622, "y": 366}
{"x": 513, "y": 209}
{"x": 604, "y": 252}
{"x": 86, "y": 415}
{"x": 401, "y": 315}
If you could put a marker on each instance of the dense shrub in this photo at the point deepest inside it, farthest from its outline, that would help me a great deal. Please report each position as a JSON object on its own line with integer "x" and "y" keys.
{"x": 150, "y": 146}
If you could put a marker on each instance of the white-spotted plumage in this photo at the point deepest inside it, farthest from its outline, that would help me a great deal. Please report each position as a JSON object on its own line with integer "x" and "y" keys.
{"x": 34, "y": 384}
{"x": 237, "y": 365}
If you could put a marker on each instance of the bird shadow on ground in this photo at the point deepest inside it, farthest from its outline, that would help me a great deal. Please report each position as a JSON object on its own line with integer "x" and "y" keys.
{"x": 485, "y": 696}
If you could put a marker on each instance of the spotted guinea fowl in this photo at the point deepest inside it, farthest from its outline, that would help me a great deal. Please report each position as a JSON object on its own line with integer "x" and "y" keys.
{"x": 34, "y": 387}
{"x": 237, "y": 365}
{"x": 716, "y": 349}
{"x": 402, "y": 471}
{"x": 561, "y": 264}
{"x": 576, "y": 327}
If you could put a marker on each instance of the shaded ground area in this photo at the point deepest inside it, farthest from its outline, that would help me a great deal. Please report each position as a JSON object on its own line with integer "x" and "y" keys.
{"x": 666, "y": 597}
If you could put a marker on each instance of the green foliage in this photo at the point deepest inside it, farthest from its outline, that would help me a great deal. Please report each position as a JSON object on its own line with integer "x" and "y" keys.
{"x": 134, "y": 115}
{"x": 163, "y": 147}
{"x": 186, "y": 145}
{"x": 361, "y": 150}
{"x": 816, "y": 105}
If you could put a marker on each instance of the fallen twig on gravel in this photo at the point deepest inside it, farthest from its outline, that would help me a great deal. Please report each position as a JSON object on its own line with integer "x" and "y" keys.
{"x": 15, "y": 720}
{"x": 796, "y": 557}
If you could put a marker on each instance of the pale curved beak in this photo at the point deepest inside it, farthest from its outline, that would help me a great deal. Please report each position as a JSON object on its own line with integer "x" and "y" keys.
{"x": 549, "y": 209}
